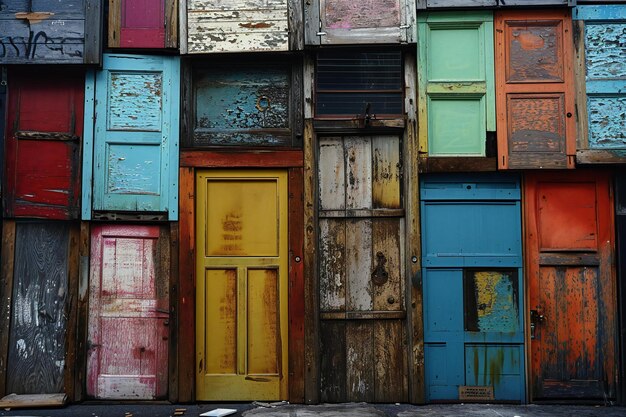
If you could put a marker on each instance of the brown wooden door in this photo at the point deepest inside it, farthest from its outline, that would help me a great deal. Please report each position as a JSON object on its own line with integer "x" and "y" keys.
{"x": 535, "y": 90}
{"x": 128, "y": 314}
{"x": 571, "y": 279}
{"x": 361, "y": 283}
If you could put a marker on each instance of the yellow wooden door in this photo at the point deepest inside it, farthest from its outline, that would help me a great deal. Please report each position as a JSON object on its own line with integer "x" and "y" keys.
{"x": 241, "y": 285}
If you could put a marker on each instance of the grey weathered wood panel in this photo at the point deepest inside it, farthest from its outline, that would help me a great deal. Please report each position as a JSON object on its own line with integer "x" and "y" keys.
{"x": 50, "y": 32}
{"x": 38, "y": 319}
{"x": 236, "y": 26}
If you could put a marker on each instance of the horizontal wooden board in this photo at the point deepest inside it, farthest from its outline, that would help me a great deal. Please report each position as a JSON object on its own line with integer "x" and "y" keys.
{"x": 33, "y": 400}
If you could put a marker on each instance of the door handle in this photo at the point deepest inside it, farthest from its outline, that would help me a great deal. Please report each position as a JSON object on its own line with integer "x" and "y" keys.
{"x": 536, "y": 317}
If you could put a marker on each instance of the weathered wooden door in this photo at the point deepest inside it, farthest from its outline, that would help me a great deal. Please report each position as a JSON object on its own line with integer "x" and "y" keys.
{"x": 241, "y": 285}
{"x": 142, "y": 23}
{"x": 571, "y": 279}
{"x": 37, "y": 342}
{"x": 43, "y": 144}
{"x": 472, "y": 283}
{"x": 456, "y": 82}
{"x": 135, "y": 142}
{"x": 363, "y": 339}
{"x": 337, "y": 22}
{"x": 127, "y": 354}
{"x": 535, "y": 89}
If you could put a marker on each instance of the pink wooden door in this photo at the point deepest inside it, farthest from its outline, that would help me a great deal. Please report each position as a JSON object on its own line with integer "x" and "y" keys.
{"x": 128, "y": 314}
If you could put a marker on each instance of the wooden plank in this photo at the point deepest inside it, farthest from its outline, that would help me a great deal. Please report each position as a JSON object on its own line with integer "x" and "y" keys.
{"x": 362, "y": 315}
{"x": 172, "y": 271}
{"x": 332, "y": 265}
{"x": 359, "y": 292}
{"x": 388, "y": 290}
{"x": 33, "y": 400}
{"x": 331, "y": 174}
{"x": 82, "y": 311}
{"x": 36, "y": 358}
{"x": 360, "y": 380}
{"x": 311, "y": 23}
{"x": 600, "y": 156}
{"x": 457, "y": 164}
{"x": 171, "y": 23}
{"x": 333, "y": 364}
{"x": 296, "y": 287}
{"x": 311, "y": 305}
{"x": 386, "y": 172}
{"x": 88, "y": 142}
{"x": 296, "y": 25}
{"x": 412, "y": 247}
{"x": 358, "y": 155}
{"x": 344, "y": 126}
{"x": 185, "y": 300}
{"x": 390, "y": 361}
{"x": 115, "y": 22}
{"x": 94, "y": 18}
{"x": 578, "y": 26}
{"x": 6, "y": 293}
{"x": 71, "y": 362}
{"x": 250, "y": 159}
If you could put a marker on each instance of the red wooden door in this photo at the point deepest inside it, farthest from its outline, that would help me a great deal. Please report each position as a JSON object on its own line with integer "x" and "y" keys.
{"x": 138, "y": 23}
{"x": 44, "y": 129}
{"x": 128, "y": 314}
{"x": 571, "y": 278}
{"x": 535, "y": 90}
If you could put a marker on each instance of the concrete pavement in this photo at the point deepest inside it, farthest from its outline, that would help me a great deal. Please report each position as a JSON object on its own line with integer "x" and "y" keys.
{"x": 325, "y": 410}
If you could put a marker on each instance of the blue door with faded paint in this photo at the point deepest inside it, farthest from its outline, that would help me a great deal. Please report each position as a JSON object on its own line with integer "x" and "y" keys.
{"x": 472, "y": 284}
{"x": 603, "y": 30}
{"x": 133, "y": 150}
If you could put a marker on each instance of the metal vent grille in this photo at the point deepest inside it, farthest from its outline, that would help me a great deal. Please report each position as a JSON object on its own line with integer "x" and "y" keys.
{"x": 356, "y": 83}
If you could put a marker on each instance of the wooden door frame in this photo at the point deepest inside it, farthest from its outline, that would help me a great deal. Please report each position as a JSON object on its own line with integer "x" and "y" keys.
{"x": 6, "y": 292}
{"x": 183, "y": 291}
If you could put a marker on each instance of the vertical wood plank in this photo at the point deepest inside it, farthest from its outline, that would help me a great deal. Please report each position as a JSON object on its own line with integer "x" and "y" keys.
{"x": 331, "y": 174}
{"x": 359, "y": 359}
{"x": 308, "y": 85}
{"x": 387, "y": 241}
{"x": 163, "y": 283}
{"x": 171, "y": 23}
{"x": 333, "y": 361}
{"x": 359, "y": 295}
{"x": 182, "y": 26}
{"x": 296, "y": 286}
{"x": 390, "y": 361}
{"x": 115, "y": 22}
{"x": 578, "y": 26}
{"x": 311, "y": 305}
{"x": 173, "y": 334}
{"x": 82, "y": 311}
{"x": 71, "y": 362}
{"x": 296, "y": 23}
{"x": 311, "y": 23}
{"x": 94, "y": 16}
{"x": 358, "y": 154}
{"x": 332, "y": 268}
{"x": 6, "y": 294}
{"x": 386, "y": 170}
{"x": 186, "y": 288}
{"x": 414, "y": 294}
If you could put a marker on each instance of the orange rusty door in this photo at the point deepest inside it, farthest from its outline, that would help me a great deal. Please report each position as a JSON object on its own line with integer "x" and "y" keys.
{"x": 571, "y": 278}
{"x": 535, "y": 89}
{"x": 241, "y": 285}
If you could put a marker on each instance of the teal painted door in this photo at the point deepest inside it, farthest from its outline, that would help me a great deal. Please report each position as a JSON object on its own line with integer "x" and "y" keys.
{"x": 456, "y": 82}
{"x": 472, "y": 286}
{"x": 135, "y": 137}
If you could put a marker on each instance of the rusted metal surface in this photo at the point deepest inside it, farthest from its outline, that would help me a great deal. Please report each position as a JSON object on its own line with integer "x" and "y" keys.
{"x": 535, "y": 89}
{"x": 128, "y": 314}
{"x": 572, "y": 297}
{"x": 45, "y": 128}
{"x": 229, "y": 26}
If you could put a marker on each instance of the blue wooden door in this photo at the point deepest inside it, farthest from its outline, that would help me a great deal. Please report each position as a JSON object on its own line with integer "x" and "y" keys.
{"x": 135, "y": 136}
{"x": 472, "y": 285}
{"x": 604, "y": 34}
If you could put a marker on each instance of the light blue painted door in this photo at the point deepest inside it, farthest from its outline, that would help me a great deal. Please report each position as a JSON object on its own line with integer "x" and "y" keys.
{"x": 472, "y": 283}
{"x": 605, "y": 74}
{"x": 135, "y": 136}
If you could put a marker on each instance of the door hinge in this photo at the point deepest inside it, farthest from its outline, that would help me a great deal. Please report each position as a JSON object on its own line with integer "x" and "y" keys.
{"x": 405, "y": 26}
{"x": 321, "y": 33}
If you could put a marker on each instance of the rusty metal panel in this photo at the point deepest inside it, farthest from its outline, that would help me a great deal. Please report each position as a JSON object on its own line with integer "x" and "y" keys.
{"x": 569, "y": 247}
{"x": 535, "y": 89}
{"x": 245, "y": 104}
{"x": 128, "y": 314}
{"x": 237, "y": 26}
{"x": 45, "y": 128}
{"x": 50, "y": 32}
{"x": 37, "y": 348}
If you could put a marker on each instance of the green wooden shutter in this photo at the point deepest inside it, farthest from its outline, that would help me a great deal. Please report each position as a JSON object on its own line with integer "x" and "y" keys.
{"x": 456, "y": 82}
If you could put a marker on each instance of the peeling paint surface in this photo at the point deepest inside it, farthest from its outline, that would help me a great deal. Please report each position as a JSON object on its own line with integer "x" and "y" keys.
{"x": 496, "y": 302}
{"x": 607, "y": 121}
{"x": 134, "y": 169}
{"x": 535, "y": 53}
{"x": 348, "y": 14}
{"x": 135, "y": 101}
{"x": 605, "y": 50}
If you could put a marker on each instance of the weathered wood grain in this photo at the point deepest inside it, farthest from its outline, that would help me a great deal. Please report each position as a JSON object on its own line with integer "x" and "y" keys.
{"x": 333, "y": 364}
{"x": 241, "y": 159}
{"x": 37, "y": 349}
{"x": 33, "y": 400}
{"x": 172, "y": 269}
{"x": 82, "y": 311}
{"x": 360, "y": 380}
{"x": 535, "y": 89}
{"x": 386, "y": 172}
{"x": 244, "y": 26}
{"x": 391, "y": 360}
{"x": 6, "y": 292}
{"x": 331, "y": 174}
{"x": 71, "y": 311}
{"x": 332, "y": 258}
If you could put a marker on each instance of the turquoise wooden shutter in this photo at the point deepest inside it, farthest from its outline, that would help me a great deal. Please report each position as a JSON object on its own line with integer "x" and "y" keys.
{"x": 456, "y": 82}
{"x": 605, "y": 75}
{"x": 135, "y": 139}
